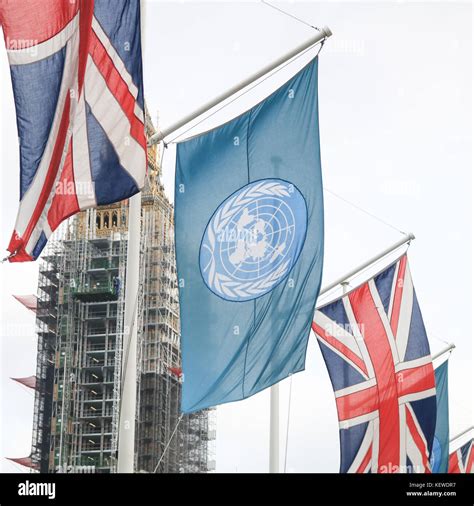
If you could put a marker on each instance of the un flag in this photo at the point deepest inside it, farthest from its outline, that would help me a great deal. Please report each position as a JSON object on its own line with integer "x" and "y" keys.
{"x": 249, "y": 245}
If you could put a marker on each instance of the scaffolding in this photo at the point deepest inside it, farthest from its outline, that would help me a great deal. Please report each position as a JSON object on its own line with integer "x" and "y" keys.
{"x": 80, "y": 332}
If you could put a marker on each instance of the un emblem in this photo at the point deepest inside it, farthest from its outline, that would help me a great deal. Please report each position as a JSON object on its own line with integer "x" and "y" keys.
{"x": 253, "y": 239}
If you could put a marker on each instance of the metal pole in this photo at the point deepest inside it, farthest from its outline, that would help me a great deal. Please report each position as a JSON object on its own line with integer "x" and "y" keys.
{"x": 408, "y": 238}
{"x": 288, "y": 424}
{"x": 126, "y": 439}
{"x": 461, "y": 434}
{"x": 275, "y": 429}
{"x": 323, "y": 34}
{"x": 126, "y": 431}
{"x": 442, "y": 352}
{"x": 61, "y": 467}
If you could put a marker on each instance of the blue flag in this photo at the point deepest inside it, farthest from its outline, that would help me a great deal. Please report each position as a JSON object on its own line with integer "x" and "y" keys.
{"x": 249, "y": 245}
{"x": 440, "y": 452}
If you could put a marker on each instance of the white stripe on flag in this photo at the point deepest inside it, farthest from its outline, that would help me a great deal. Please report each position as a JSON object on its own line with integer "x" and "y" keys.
{"x": 355, "y": 388}
{"x": 384, "y": 320}
{"x": 404, "y": 319}
{"x": 417, "y": 396}
{"x": 359, "y": 337}
{"x": 403, "y": 438}
{"x": 415, "y": 455}
{"x": 344, "y": 357}
{"x": 462, "y": 467}
{"x": 392, "y": 292}
{"x": 410, "y": 364}
{"x": 113, "y": 121}
{"x": 44, "y": 49}
{"x": 375, "y": 446}
{"x": 346, "y": 424}
{"x": 364, "y": 447}
{"x": 81, "y": 162}
{"x": 119, "y": 65}
{"x": 338, "y": 332}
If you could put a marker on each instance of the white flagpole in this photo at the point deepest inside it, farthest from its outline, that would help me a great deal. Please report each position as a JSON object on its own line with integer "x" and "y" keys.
{"x": 464, "y": 432}
{"x": 274, "y": 453}
{"x": 128, "y": 402}
{"x": 126, "y": 435}
{"x": 159, "y": 136}
{"x": 274, "y": 464}
{"x": 443, "y": 351}
{"x": 343, "y": 279}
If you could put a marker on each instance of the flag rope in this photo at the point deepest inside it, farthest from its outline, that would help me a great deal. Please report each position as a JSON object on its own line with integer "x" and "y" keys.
{"x": 169, "y": 442}
{"x": 361, "y": 209}
{"x": 250, "y": 88}
{"x": 286, "y": 13}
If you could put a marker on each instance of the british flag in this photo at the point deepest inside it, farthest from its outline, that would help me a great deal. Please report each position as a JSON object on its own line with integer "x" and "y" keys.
{"x": 374, "y": 343}
{"x": 462, "y": 460}
{"x": 76, "y": 71}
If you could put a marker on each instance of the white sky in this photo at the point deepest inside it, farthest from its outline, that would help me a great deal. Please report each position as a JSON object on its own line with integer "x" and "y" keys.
{"x": 396, "y": 124}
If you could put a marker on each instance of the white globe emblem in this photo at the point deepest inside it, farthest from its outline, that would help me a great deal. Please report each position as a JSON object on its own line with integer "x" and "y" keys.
{"x": 253, "y": 239}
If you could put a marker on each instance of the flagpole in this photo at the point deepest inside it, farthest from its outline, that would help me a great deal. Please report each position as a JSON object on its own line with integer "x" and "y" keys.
{"x": 128, "y": 399}
{"x": 159, "y": 136}
{"x": 442, "y": 352}
{"x": 463, "y": 433}
{"x": 343, "y": 279}
{"x": 274, "y": 464}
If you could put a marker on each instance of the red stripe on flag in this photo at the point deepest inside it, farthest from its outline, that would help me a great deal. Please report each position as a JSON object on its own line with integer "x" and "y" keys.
{"x": 118, "y": 87}
{"x": 335, "y": 343}
{"x": 397, "y": 296}
{"x": 365, "y": 461}
{"x": 378, "y": 346}
{"x": 418, "y": 440}
{"x": 415, "y": 379}
{"x": 64, "y": 202}
{"x": 357, "y": 403}
{"x": 15, "y": 245}
{"x": 453, "y": 466}
{"x": 27, "y": 23}
{"x": 85, "y": 31}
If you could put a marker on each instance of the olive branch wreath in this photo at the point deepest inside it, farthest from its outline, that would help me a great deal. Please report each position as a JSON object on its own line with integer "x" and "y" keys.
{"x": 222, "y": 283}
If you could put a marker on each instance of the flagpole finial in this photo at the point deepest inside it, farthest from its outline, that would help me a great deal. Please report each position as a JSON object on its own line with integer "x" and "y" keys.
{"x": 326, "y": 30}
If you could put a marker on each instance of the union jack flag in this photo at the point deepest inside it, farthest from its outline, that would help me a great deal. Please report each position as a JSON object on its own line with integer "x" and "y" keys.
{"x": 76, "y": 71}
{"x": 462, "y": 460}
{"x": 374, "y": 343}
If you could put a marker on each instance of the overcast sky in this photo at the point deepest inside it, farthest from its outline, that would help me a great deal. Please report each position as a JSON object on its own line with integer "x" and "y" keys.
{"x": 396, "y": 124}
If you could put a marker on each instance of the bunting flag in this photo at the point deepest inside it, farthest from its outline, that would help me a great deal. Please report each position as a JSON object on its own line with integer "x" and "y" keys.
{"x": 462, "y": 460}
{"x": 23, "y": 461}
{"x": 29, "y": 301}
{"x": 374, "y": 343}
{"x": 76, "y": 72}
{"x": 29, "y": 381}
{"x": 440, "y": 452}
{"x": 249, "y": 245}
